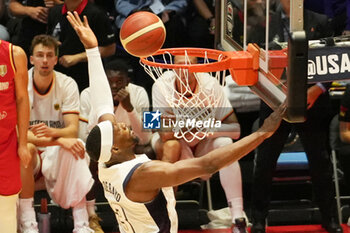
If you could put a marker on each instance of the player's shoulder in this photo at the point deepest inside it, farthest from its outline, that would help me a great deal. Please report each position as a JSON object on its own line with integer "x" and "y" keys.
{"x": 135, "y": 88}
{"x": 167, "y": 75}
{"x": 64, "y": 80}
{"x": 62, "y": 76}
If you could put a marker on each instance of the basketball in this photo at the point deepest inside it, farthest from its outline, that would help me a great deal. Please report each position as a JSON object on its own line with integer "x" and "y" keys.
{"x": 142, "y": 34}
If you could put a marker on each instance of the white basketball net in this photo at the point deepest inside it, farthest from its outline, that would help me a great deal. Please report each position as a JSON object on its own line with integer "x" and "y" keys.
{"x": 187, "y": 105}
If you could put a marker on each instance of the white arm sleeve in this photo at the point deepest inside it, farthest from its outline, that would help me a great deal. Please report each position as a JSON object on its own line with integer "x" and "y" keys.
{"x": 101, "y": 94}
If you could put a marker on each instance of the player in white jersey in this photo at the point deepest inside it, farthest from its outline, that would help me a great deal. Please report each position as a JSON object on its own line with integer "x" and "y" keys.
{"x": 130, "y": 101}
{"x": 58, "y": 157}
{"x": 134, "y": 185}
{"x": 165, "y": 144}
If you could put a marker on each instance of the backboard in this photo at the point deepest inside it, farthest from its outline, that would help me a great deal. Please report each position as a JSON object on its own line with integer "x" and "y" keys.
{"x": 229, "y": 26}
{"x": 234, "y": 31}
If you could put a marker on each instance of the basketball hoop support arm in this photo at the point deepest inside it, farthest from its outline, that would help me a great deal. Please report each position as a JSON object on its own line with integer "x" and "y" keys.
{"x": 246, "y": 71}
{"x": 257, "y": 75}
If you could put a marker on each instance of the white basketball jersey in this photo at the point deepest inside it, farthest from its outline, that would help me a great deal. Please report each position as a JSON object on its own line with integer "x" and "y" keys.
{"x": 163, "y": 91}
{"x": 62, "y": 98}
{"x": 155, "y": 216}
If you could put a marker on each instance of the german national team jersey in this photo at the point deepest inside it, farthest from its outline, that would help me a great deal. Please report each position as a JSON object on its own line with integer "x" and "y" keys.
{"x": 158, "y": 215}
{"x": 62, "y": 98}
{"x": 138, "y": 99}
{"x": 10, "y": 180}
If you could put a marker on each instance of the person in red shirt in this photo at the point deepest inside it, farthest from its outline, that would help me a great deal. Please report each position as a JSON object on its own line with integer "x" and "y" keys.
{"x": 14, "y": 120}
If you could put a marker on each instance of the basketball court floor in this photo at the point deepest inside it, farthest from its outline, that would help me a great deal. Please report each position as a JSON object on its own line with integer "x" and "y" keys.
{"x": 277, "y": 229}
{"x": 274, "y": 229}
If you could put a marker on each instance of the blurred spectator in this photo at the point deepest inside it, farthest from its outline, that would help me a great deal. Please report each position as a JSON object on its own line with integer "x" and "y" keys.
{"x": 4, "y": 34}
{"x": 108, "y": 7}
{"x": 34, "y": 22}
{"x": 72, "y": 58}
{"x": 313, "y": 134}
{"x": 201, "y": 24}
{"x": 170, "y": 11}
{"x": 337, "y": 10}
{"x": 342, "y": 146}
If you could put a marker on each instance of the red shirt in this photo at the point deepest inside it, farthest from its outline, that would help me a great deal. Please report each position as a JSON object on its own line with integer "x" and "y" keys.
{"x": 10, "y": 180}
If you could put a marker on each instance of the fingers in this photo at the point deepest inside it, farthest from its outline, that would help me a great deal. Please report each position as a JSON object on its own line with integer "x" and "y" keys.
{"x": 122, "y": 94}
{"x": 67, "y": 61}
{"x": 77, "y": 18}
{"x": 42, "y": 14}
{"x": 62, "y": 61}
{"x": 71, "y": 20}
{"x": 25, "y": 159}
{"x": 74, "y": 20}
{"x": 282, "y": 109}
{"x": 81, "y": 149}
{"x": 78, "y": 150}
{"x": 49, "y": 3}
{"x": 39, "y": 130}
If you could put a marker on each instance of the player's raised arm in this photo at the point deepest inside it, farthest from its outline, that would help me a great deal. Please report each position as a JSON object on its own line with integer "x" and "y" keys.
{"x": 22, "y": 101}
{"x": 101, "y": 95}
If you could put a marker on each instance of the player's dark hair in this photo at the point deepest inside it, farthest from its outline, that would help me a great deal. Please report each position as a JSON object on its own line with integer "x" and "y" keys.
{"x": 45, "y": 40}
{"x": 93, "y": 143}
{"x": 118, "y": 65}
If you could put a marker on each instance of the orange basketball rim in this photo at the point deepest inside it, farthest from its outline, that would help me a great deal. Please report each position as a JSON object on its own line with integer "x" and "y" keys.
{"x": 243, "y": 65}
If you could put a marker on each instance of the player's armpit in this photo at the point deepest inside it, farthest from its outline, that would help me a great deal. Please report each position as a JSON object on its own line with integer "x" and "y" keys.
{"x": 153, "y": 175}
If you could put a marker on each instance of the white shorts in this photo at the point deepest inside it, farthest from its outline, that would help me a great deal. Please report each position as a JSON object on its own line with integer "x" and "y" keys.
{"x": 67, "y": 180}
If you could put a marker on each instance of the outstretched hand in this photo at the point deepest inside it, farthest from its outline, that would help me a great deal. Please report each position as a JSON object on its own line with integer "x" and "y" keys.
{"x": 272, "y": 123}
{"x": 86, "y": 35}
